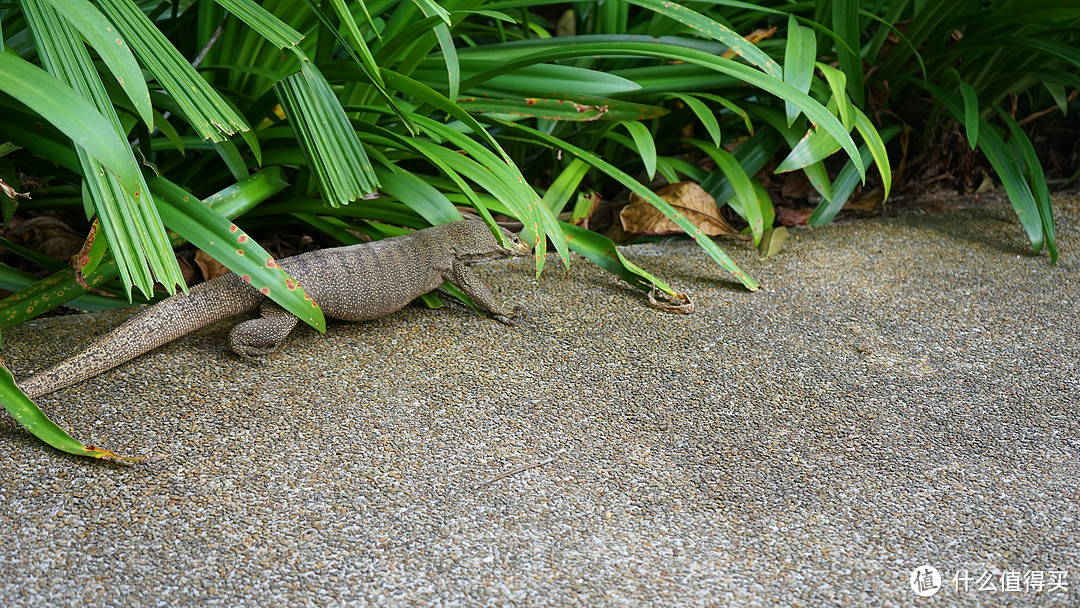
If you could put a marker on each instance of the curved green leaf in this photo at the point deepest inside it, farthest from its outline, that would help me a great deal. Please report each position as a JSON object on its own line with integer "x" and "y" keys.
{"x": 68, "y": 111}
{"x": 418, "y": 195}
{"x": 800, "y": 53}
{"x": 814, "y": 111}
{"x": 703, "y": 113}
{"x": 876, "y": 144}
{"x": 691, "y": 230}
{"x": 971, "y": 107}
{"x": 746, "y": 201}
{"x": 845, "y": 22}
{"x": 1036, "y": 178}
{"x": 838, "y": 85}
{"x": 645, "y": 145}
{"x": 1001, "y": 158}
{"x": 601, "y": 251}
{"x": 565, "y": 185}
{"x": 113, "y": 50}
{"x": 26, "y": 413}
{"x": 216, "y": 235}
{"x": 845, "y": 184}
{"x": 715, "y": 30}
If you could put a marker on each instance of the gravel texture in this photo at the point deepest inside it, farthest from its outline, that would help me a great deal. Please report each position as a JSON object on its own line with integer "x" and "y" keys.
{"x": 903, "y": 392}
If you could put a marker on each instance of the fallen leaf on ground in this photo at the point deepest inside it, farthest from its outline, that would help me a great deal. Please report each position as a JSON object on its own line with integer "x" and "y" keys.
{"x": 689, "y": 199}
{"x": 210, "y": 267}
{"x": 792, "y": 217}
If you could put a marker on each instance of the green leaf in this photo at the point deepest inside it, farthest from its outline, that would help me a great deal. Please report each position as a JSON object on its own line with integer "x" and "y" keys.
{"x": 418, "y": 195}
{"x": 703, "y": 113}
{"x": 453, "y": 69}
{"x": 69, "y": 112}
{"x": 1036, "y": 179}
{"x": 691, "y": 230}
{"x": 746, "y": 201}
{"x": 815, "y": 146}
{"x": 1004, "y": 163}
{"x": 62, "y": 287}
{"x": 263, "y": 22}
{"x": 1057, "y": 91}
{"x": 845, "y": 21}
{"x": 129, "y": 220}
{"x": 565, "y": 185}
{"x": 1016, "y": 186}
{"x": 216, "y": 235}
{"x": 539, "y": 80}
{"x": 364, "y": 59}
{"x": 32, "y": 419}
{"x": 800, "y": 54}
{"x": 566, "y": 107}
{"x": 601, "y": 251}
{"x": 112, "y": 49}
{"x": 524, "y": 202}
{"x": 838, "y": 85}
{"x": 329, "y": 142}
{"x": 845, "y": 184}
{"x": 735, "y": 109}
{"x": 772, "y": 241}
{"x": 645, "y": 145}
{"x": 971, "y": 112}
{"x": 532, "y": 107}
{"x": 717, "y": 31}
{"x": 876, "y": 143}
{"x": 804, "y": 102}
{"x": 198, "y": 102}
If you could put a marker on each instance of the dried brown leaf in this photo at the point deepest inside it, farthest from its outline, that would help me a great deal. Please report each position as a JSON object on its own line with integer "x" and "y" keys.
{"x": 209, "y": 267}
{"x": 698, "y": 206}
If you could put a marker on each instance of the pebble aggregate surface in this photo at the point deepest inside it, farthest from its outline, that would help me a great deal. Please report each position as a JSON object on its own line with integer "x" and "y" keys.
{"x": 905, "y": 391}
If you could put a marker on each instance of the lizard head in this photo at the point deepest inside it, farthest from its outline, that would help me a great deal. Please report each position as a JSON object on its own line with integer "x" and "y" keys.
{"x": 478, "y": 243}
{"x": 518, "y": 247}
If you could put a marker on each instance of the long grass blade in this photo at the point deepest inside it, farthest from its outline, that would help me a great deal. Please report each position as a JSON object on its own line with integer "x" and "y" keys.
{"x": 715, "y": 30}
{"x": 1036, "y": 179}
{"x": 112, "y": 49}
{"x": 1001, "y": 158}
{"x": 691, "y": 230}
{"x": 329, "y": 142}
{"x": 72, "y": 114}
{"x": 208, "y": 113}
{"x": 225, "y": 242}
{"x": 26, "y": 413}
{"x": 845, "y": 22}
{"x": 276, "y": 31}
{"x": 800, "y": 54}
{"x": 128, "y": 217}
{"x": 822, "y": 117}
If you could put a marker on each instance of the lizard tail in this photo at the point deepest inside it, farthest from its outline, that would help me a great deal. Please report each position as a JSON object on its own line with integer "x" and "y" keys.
{"x": 163, "y": 322}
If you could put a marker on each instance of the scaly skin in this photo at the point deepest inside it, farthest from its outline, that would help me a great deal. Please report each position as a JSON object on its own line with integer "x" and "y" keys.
{"x": 358, "y": 283}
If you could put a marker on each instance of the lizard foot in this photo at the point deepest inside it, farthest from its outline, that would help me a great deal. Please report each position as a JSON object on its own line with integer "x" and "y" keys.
{"x": 519, "y": 314}
{"x": 256, "y": 354}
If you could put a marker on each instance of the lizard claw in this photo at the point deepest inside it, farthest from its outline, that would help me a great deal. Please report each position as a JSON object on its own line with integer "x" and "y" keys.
{"x": 519, "y": 314}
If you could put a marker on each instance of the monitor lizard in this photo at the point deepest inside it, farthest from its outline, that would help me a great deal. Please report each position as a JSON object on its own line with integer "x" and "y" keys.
{"x": 355, "y": 283}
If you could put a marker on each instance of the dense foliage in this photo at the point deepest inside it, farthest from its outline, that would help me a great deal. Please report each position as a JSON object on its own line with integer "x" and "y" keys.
{"x": 350, "y": 119}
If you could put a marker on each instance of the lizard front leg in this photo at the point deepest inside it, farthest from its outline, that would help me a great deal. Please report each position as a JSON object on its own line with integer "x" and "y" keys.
{"x": 256, "y": 338}
{"x": 463, "y": 277}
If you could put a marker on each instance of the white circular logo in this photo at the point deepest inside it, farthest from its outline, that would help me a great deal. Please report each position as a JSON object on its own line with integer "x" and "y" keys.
{"x": 925, "y": 581}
